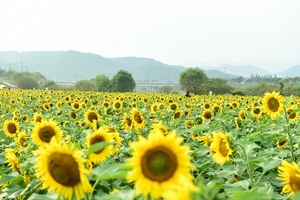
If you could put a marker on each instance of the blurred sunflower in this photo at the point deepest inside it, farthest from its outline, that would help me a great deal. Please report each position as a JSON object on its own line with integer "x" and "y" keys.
{"x": 62, "y": 170}
{"x": 37, "y": 118}
{"x": 127, "y": 123}
{"x": 289, "y": 173}
{"x": 177, "y": 114}
{"x": 21, "y": 140}
{"x": 117, "y": 105}
{"x": 273, "y": 104}
{"x": 11, "y": 157}
{"x": 188, "y": 124}
{"x": 220, "y": 148}
{"x": 159, "y": 128}
{"x": 206, "y": 140}
{"x": 173, "y": 106}
{"x": 159, "y": 164}
{"x": 137, "y": 119}
{"x": 43, "y": 132}
{"x": 11, "y": 127}
{"x": 242, "y": 114}
{"x": 75, "y": 106}
{"x": 98, "y": 136}
{"x": 90, "y": 116}
{"x": 292, "y": 114}
{"x": 280, "y": 144}
{"x": 116, "y": 136}
{"x": 207, "y": 115}
{"x": 256, "y": 112}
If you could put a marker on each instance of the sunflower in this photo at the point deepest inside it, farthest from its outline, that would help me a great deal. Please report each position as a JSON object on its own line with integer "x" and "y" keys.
{"x": 117, "y": 105}
{"x": 43, "y": 132}
{"x": 256, "y": 112}
{"x": 62, "y": 171}
{"x": 159, "y": 128}
{"x": 207, "y": 115}
{"x": 173, "y": 106}
{"x": 75, "y": 106}
{"x": 154, "y": 107}
{"x": 159, "y": 164}
{"x": 292, "y": 115}
{"x": 206, "y": 140}
{"x": 21, "y": 140}
{"x": 11, "y": 157}
{"x": 100, "y": 135}
{"x": 116, "y": 136}
{"x": 137, "y": 119}
{"x": 37, "y": 118}
{"x": 220, "y": 148}
{"x": 273, "y": 104}
{"x": 290, "y": 175}
{"x": 188, "y": 124}
{"x": 90, "y": 116}
{"x": 242, "y": 114}
{"x": 281, "y": 143}
{"x": 11, "y": 127}
{"x": 177, "y": 114}
{"x": 127, "y": 123}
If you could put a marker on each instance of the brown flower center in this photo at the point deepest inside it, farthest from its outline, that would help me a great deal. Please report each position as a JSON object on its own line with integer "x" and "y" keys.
{"x": 273, "y": 104}
{"x": 46, "y": 133}
{"x": 97, "y": 139}
{"x": 12, "y": 128}
{"x": 63, "y": 168}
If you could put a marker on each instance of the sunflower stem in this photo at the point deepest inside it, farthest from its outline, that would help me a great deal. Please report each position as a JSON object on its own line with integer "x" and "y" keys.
{"x": 249, "y": 170}
{"x": 290, "y": 135}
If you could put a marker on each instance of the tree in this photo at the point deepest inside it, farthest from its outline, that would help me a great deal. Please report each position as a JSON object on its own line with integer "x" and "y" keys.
{"x": 102, "y": 83}
{"x": 85, "y": 85}
{"x": 217, "y": 86}
{"x": 122, "y": 82}
{"x": 192, "y": 80}
{"x": 24, "y": 80}
{"x": 165, "y": 89}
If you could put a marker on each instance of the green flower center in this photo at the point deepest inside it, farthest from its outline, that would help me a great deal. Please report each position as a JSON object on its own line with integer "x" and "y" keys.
{"x": 63, "y": 168}
{"x": 159, "y": 164}
{"x": 273, "y": 104}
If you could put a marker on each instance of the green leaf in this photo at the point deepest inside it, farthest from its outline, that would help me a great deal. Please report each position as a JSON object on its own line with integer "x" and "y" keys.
{"x": 122, "y": 195}
{"x": 268, "y": 165}
{"x": 13, "y": 177}
{"x": 48, "y": 196}
{"x": 250, "y": 195}
{"x": 110, "y": 171}
{"x": 97, "y": 147}
{"x": 297, "y": 196}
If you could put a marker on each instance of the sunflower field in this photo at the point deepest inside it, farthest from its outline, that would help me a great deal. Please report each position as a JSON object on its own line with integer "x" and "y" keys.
{"x": 110, "y": 146}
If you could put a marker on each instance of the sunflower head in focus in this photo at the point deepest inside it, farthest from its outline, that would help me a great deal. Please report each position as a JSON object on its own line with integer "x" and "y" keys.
{"x": 11, "y": 127}
{"x": 159, "y": 164}
{"x": 100, "y": 135}
{"x": 273, "y": 104}
{"x": 117, "y": 105}
{"x": 61, "y": 169}
{"x": 220, "y": 148}
{"x": 256, "y": 112}
{"x": 289, "y": 173}
{"x": 43, "y": 132}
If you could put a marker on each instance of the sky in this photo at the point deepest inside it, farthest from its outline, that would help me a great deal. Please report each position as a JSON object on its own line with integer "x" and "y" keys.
{"x": 263, "y": 33}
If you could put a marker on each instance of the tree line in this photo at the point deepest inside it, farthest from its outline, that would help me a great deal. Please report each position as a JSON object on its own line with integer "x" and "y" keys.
{"x": 193, "y": 79}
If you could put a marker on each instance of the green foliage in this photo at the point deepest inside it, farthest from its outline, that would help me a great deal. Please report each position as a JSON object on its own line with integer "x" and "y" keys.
{"x": 165, "y": 89}
{"x": 122, "y": 82}
{"x": 217, "y": 86}
{"x": 84, "y": 85}
{"x": 102, "y": 83}
{"x": 24, "y": 80}
{"x": 192, "y": 79}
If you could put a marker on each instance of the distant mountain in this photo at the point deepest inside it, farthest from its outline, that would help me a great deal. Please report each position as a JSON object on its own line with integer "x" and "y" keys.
{"x": 73, "y": 66}
{"x": 218, "y": 74}
{"x": 292, "y": 72}
{"x": 243, "y": 70}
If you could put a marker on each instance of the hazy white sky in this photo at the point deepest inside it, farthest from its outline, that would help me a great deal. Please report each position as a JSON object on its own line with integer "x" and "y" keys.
{"x": 170, "y": 31}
